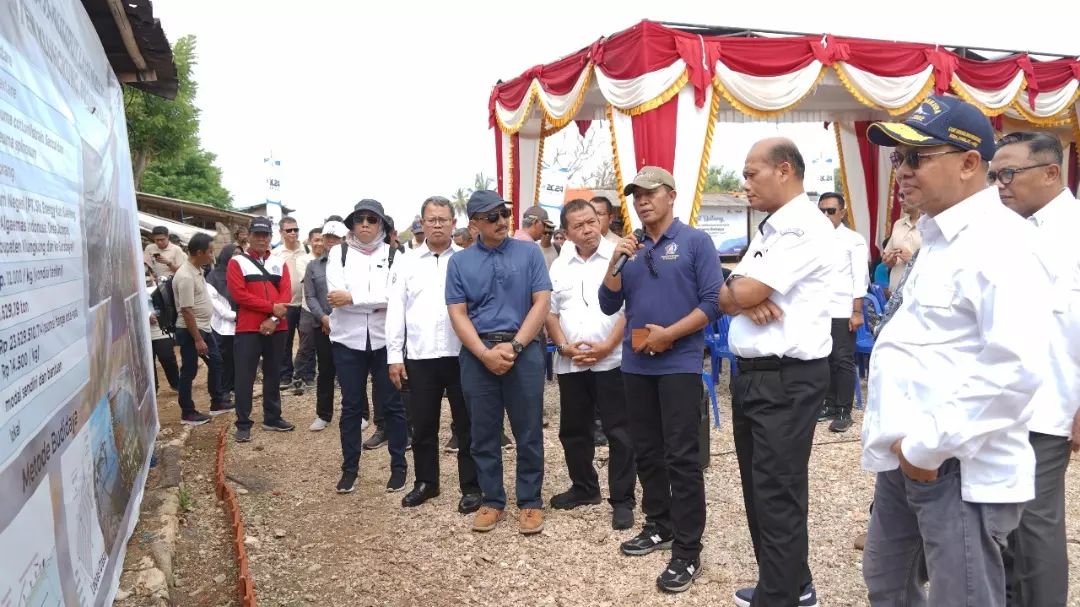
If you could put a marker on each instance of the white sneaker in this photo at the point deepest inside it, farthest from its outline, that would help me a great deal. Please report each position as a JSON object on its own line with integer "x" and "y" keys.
{"x": 363, "y": 424}
{"x": 318, "y": 424}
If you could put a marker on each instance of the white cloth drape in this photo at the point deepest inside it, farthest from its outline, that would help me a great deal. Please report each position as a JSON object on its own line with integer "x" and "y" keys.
{"x": 994, "y": 100}
{"x": 689, "y": 147}
{"x": 889, "y": 92}
{"x": 626, "y": 94}
{"x": 768, "y": 93}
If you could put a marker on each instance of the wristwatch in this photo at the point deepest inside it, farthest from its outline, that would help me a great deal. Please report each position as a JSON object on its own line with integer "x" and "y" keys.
{"x": 275, "y": 319}
{"x": 516, "y": 345}
{"x": 559, "y": 348}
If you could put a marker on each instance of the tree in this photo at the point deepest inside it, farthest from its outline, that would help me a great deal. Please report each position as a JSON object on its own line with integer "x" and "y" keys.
{"x": 574, "y": 159}
{"x": 602, "y": 177}
{"x": 460, "y": 201}
{"x": 481, "y": 182}
{"x": 719, "y": 179}
{"x": 191, "y": 175}
{"x": 163, "y": 136}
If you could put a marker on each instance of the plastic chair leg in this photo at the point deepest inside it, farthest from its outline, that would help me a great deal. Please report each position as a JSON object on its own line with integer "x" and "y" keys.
{"x": 858, "y": 391}
{"x": 710, "y": 385}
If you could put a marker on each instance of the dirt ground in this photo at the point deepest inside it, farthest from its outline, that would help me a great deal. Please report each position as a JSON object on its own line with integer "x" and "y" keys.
{"x": 309, "y": 545}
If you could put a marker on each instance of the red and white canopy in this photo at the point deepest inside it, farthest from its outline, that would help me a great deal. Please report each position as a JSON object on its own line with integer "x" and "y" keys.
{"x": 663, "y": 89}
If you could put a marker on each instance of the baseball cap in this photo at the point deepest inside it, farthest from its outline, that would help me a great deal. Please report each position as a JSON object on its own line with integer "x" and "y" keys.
{"x": 650, "y": 178}
{"x": 416, "y": 227}
{"x": 483, "y": 200}
{"x": 939, "y": 120}
{"x": 261, "y": 224}
{"x": 371, "y": 206}
{"x": 335, "y": 228}
{"x": 540, "y": 213}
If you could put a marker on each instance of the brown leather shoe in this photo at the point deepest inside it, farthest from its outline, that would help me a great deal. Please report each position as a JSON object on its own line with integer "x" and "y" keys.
{"x": 487, "y": 518}
{"x": 530, "y": 521}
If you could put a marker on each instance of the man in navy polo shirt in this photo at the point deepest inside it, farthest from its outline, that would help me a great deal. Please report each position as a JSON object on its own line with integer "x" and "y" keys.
{"x": 497, "y": 295}
{"x": 669, "y": 286}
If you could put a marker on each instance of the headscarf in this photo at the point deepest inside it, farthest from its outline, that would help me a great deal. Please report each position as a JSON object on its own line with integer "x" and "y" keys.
{"x": 367, "y": 249}
{"x": 217, "y": 278}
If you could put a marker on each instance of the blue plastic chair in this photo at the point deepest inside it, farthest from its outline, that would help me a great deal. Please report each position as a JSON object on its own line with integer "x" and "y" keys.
{"x": 864, "y": 339}
{"x": 878, "y": 292}
{"x": 716, "y": 338}
{"x": 710, "y": 385}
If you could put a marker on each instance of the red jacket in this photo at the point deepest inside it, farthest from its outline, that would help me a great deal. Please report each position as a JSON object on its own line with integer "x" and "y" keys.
{"x": 255, "y": 293}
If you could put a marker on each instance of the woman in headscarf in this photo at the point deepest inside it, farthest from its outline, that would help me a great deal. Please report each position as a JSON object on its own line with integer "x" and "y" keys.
{"x": 223, "y": 321}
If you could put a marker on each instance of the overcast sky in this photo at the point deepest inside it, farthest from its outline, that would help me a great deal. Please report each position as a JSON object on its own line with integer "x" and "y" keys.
{"x": 389, "y": 100}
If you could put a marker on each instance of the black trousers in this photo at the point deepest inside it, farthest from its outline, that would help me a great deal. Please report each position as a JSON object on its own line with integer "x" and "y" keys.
{"x": 581, "y": 395}
{"x": 774, "y": 413}
{"x": 165, "y": 352}
{"x": 665, "y": 416}
{"x": 228, "y": 368}
{"x": 293, "y": 316}
{"x": 427, "y": 381}
{"x": 324, "y": 384}
{"x": 841, "y": 391}
{"x": 248, "y": 348}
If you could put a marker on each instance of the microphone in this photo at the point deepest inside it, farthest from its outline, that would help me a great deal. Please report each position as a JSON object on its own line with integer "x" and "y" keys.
{"x": 639, "y": 235}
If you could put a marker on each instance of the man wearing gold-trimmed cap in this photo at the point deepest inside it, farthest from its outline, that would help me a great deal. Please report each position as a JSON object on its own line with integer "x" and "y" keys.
{"x": 952, "y": 373}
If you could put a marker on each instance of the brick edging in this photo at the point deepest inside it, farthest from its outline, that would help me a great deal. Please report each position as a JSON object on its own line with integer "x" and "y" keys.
{"x": 245, "y": 585}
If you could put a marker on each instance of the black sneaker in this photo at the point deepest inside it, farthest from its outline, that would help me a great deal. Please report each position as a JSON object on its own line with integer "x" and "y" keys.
{"x": 222, "y": 408}
{"x": 396, "y": 482}
{"x": 622, "y": 518}
{"x": 194, "y": 418}
{"x": 285, "y": 384}
{"x": 679, "y": 575}
{"x": 649, "y": 540}
{"x": 842, "y": 422}
{"x": 279, "y": 426}
{"x": 298, "y": 387}
{"x": 807, "y": 596}
{"x": 599, "y": 440}
{"x": 568, "y": 500}
{"x": 451, "y": 445}
{"x": 827, "y": 413}
{"x": 243, "y": 435}
{"x": 347, "y": 484}
{"x": 376, "y": 440}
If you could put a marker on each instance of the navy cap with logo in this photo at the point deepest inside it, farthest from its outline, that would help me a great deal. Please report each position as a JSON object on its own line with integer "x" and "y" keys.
{"x": 483, "y": 200}
{"x": 939, "y": 120}
{"x": 261, "y": 224}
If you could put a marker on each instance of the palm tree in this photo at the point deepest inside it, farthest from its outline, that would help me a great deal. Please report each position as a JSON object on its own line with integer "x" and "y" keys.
{"x": 481, "y": 182}
{"x": 459, "y": 201}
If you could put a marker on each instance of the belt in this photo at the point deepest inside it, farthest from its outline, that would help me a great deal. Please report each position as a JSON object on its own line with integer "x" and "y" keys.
{"x": 498, "y": 337}
{"x": 768, "y": 363}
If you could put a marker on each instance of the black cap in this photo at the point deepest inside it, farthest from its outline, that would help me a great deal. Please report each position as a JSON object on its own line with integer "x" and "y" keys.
{"x": 159, "y": 231}
{"x": 939, "y": 120}
{"x": 261, "y": 224}
{"x": 371, "y": 206}
{"x": 483, "y": 200}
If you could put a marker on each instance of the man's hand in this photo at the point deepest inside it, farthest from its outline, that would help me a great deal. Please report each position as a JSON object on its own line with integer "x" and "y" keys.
{"x": 628, "y": 246}
{"x": 587, "y": 353}
{"x": 497, "y": 361}
{"x": 505, "y": 349}
{"x": 201, "y": 347}
{"x": 1075, "y": 441}
{"x": 267, "y": 327}
{"x": 398, "y": 374}
{"x": 153, "y": 318}
{"x": 919, "y": 475}
{"x": 855, "y": 321}
{"x": 890, "y": 257}
{"x": 764, "y": 313}
{"x": 904, "y": 255}
{"x": 339, "y": 298}
{"x": 659, "y": 340}
{"x": 325, "y": 321}
{"x": 280, "y": 310}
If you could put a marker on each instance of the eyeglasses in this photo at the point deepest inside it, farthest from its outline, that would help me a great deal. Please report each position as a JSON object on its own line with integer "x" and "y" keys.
{"x": 830, "y": 210}
{"x": 292, "y": 231}
{"x": 371, "y": 220}
{"x": 1005, "y": 176}
{"x": 493, "y": 216}
{"x": 437, "y": 221}
{"x": 912, "y": 157}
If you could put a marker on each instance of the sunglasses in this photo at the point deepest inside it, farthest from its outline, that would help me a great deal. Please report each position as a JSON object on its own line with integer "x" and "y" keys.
{"x": 371, "y": 220}
{"x": 912, "y": 158}
{"x": 493, "y": 216}
{"x": 830, "y": 210}
{"x": 292, "y": 231}
{"x": 1005, "y": 176}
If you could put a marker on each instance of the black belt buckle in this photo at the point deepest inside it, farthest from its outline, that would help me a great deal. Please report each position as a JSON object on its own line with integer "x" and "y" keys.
{"x": 762, "y": 363}
{"x": 498, "y": 337}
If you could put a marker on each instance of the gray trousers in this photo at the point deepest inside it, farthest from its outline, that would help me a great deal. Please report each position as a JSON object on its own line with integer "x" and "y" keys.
{"x": 924, "y": 532}
{"x": 1037, "y": 562}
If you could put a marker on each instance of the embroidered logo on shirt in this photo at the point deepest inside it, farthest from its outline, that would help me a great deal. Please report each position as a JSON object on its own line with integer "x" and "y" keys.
{"x": 670, "y": 252}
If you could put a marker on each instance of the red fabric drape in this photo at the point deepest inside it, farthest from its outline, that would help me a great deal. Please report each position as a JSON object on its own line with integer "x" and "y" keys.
{"x": 887, "y": 58}
{"x": 868, "y": 154}
{"x": 583, "y": 126}
{"x": 765, "y": 56}
{"x": 989, "y": 75}
{"x": 645, "y": 47}
{"x": 654, "y": 136}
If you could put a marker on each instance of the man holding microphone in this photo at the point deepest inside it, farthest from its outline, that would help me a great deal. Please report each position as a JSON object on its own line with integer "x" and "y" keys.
{"x": 669, "y": 287}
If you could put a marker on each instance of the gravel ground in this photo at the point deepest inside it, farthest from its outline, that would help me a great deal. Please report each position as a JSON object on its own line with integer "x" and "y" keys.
{"x": 309, "y": 545}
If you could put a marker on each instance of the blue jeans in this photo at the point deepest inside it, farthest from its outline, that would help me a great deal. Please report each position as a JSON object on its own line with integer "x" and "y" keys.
{"x": 189, "y": 368}
{"x": 520, "y": 392}
{"x": 352, "y": 368}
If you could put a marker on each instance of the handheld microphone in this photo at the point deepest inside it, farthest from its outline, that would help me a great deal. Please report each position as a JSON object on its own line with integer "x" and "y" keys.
{"x": 639, "y": 235}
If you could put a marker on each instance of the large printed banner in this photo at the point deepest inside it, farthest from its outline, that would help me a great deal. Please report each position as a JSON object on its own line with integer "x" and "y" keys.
{"x": 77, "y": 412}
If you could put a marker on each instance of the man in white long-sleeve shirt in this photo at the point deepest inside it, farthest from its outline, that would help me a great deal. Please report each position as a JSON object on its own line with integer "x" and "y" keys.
{"x": 952, "y": 373}
{"x": 358, "y": 281}
{"x": 422, "y": 350}
{"x": 850, "y": 280}
{"x": 1027, "y": 171}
